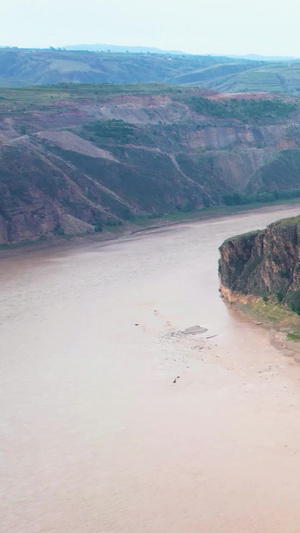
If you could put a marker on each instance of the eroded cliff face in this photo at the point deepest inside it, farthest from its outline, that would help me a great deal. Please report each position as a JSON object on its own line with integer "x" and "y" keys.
{"x": 73, "y": 159}
{"x": 262, "y": 263}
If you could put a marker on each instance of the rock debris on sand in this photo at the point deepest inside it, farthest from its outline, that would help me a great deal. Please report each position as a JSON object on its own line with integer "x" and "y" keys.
{"x": 194, "y": 330}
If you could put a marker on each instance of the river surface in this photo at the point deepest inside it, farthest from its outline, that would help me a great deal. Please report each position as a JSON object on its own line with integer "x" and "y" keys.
{"x": 95, "y": 434}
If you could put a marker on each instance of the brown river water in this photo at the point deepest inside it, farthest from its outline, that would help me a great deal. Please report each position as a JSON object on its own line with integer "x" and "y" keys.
{"x": 95, "y": 434}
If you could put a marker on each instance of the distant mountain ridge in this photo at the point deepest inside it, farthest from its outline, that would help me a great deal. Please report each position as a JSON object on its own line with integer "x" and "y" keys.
{"x": 122, "y": 49}
{"x": 145, "y": 49}
{"x": 258, "y": 57}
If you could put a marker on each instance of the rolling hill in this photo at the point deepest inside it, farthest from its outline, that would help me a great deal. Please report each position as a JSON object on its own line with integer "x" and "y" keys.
{"x": 27, "y": 67}
{"x": 45, "y": 67}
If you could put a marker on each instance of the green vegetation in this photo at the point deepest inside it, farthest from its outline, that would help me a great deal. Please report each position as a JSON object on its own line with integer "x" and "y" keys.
{"x": 117, "y": 130}
{"x": 25, "y": 99}
{"x": 273, "y": 314}
{"x": 279, "y": 296}
{"x": 98, "y": 227}
{"x": 180, "y": 215}
{"x": 268, "y": 311}
{"x": 240, "y": 109}
{"x": 260, "y": 197}
{"x": 58, "y": 230}
{"x": 293, "y": 301}
{"x": 293, "y": 337}
{"x": 204, "y": 106}
{"x": 260, "y": 109}
{"x": 286, "y": 222}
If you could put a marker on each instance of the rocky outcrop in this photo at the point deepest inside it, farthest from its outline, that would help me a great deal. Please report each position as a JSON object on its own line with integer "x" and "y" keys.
{"x": 263, "y": 263}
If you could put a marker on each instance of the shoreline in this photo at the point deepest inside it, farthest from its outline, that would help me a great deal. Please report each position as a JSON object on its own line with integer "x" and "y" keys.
{"x": 131, "y": 229}
{"x": 246, "y": 306}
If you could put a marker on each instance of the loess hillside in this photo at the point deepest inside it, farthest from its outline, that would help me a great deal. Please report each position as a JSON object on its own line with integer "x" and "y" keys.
{"x": 75, "y": 157}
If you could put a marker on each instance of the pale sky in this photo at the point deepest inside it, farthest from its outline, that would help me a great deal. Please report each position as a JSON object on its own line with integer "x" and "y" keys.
{"x": 202, "y": 26}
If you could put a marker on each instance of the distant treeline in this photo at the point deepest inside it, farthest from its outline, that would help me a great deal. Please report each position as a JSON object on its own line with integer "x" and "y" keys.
{"x": 261, "y": 197}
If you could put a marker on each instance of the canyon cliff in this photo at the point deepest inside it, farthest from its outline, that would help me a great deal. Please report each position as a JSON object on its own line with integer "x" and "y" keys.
{"x": 263, "y": 264}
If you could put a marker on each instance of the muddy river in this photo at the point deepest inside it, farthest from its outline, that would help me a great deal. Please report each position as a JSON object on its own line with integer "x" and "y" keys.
{"x": 114, "y": 418}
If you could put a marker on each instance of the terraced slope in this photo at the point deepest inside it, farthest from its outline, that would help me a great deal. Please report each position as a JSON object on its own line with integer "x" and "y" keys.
{"x": 282, "y": 78}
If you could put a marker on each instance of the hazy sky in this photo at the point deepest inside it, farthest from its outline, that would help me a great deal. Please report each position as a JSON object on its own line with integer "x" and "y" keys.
{"x": 210, "y": 26}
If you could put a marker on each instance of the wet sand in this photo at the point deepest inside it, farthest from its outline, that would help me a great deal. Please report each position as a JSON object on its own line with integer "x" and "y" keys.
{"x": 95, "y": 434}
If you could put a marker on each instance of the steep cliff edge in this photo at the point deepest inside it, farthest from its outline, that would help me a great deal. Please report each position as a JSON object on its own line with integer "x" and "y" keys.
{"x": 263, "y": 265}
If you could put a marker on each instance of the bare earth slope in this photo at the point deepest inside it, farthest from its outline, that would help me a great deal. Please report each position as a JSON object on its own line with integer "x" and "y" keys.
{"x": 75, "y": 157}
